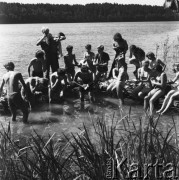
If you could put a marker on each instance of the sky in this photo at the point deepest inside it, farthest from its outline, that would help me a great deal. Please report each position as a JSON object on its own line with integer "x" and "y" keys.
{"x": 142, "y": 2}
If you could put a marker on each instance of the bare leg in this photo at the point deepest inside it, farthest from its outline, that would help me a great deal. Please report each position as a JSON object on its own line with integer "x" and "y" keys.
{"x": 147, "y": 98}
{"x": 158, "y": 94}
{"x": 119, "y": 89}
{"x": 166, "y": 100}
{"x": 176, "y": 94}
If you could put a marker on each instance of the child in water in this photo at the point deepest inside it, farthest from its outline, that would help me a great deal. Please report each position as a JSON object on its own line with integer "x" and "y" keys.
{"x": 69, "y": 58}
{"x": 86, "y": 79}
{"x": 38, "y": 64}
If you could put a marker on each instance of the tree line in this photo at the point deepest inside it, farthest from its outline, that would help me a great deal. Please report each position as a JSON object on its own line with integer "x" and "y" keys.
{"x": 106, "y": 12}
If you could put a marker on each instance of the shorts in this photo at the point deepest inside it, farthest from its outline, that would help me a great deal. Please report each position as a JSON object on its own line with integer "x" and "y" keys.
{"x": 38, "y": 74}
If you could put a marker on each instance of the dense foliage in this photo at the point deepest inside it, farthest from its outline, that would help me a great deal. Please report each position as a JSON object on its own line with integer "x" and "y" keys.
{"x": 48, "y": 13}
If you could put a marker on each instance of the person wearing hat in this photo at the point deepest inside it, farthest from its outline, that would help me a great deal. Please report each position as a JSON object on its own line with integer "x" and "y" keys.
{"x": 58, "y": 84}
{"x": 86, "y": 79}
{"x": 101, "y": 61}
{"x": 38, "y": 64}
{"x": 70, "y": 62}
{"x": 154, "y": 61}
{"x": 11, "y": 79}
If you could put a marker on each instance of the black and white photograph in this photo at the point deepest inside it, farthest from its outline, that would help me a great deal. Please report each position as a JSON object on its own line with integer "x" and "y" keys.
{"x": 89, "y": 90}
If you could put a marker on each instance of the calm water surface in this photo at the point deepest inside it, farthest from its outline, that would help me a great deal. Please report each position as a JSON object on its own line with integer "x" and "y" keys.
{"x": 18, "y": 44}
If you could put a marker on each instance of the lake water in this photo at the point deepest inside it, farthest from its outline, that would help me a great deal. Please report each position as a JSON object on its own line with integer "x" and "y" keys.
{"x": 18, "y": 44}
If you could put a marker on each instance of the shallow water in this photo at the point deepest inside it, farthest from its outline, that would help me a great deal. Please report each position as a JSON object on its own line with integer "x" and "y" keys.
{"x": 18, "y": 44}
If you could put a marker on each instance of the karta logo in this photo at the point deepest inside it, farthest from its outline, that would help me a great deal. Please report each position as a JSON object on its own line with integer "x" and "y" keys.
{"x": 117, "y": 169}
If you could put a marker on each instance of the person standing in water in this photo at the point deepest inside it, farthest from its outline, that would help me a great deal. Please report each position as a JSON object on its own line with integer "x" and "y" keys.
{"x": 11, "y": 79}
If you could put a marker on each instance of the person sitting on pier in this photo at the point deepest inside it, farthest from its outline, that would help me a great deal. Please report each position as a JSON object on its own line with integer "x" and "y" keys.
{"x": 11, "y": 79}
{"x": 144, "y": 86}
{"x": 173, "y": 94}
{"x": 36, "y": 86}
{"x": 84, "y": 79}
{"x": 154, "y": 62}
{"x": 69, "y": 58}
{"x": 101, "y": 61}
{"x": 58, "y": 84}
{"x": 159, "y": 83}
{"x": 38, "y": 64}
{"x": 137, "y": 55}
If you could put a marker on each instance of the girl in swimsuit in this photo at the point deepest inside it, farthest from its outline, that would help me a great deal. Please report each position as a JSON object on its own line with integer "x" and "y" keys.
{"x": 159, "y": 89}
{"x": 173, "y": 94}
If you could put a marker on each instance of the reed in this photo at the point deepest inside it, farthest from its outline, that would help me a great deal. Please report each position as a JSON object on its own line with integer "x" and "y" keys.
{"x": 106, "y": 150}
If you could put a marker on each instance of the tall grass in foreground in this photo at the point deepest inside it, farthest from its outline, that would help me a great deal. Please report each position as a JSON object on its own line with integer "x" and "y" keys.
{"x": 107, "y": 150}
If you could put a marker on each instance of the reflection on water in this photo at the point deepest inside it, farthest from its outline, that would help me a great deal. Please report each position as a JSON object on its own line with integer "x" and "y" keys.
{"x": 69, "y": 116}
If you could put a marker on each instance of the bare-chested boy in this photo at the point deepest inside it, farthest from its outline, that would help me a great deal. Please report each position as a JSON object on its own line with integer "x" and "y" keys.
{"x": 69, "y": 58}
{"x": 58, "y": 84}
{"x": 11, "y": 79}
{"x": 38, "y": 64}
{"x": 86, "y": 79}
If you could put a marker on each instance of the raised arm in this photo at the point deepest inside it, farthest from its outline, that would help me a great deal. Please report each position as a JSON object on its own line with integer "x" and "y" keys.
{"x": 40, "y": 40}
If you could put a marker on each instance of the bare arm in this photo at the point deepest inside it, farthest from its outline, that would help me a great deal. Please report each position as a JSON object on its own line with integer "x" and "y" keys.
{"x": 113, "y": 73}
{"x": 29, "y": 66}
{"x": 40, "y": 40}
{"x": 163, "y": 82}
{"x": 76, "y": 77}
{"x": 76, "y": 63}
{"x": 1, "y": 88}
{"x": 162, "y": 64}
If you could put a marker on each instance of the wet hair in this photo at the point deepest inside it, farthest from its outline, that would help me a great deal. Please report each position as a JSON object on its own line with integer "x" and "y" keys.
{"x": 117, "y": 37}
{"x": 69, "y": 48}
{"x": 88, "y": 46}
{"x": 133, "y": 47}
{"x": 39, "y": 54}
{"x": 159, "y": 68}
{"x": 150, "y": 55}
{"x": 9, "y": 66}
{"x": 61, "y": 71}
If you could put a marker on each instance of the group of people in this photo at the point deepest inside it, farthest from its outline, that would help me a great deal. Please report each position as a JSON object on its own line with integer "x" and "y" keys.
{"x": 150, "y": 74}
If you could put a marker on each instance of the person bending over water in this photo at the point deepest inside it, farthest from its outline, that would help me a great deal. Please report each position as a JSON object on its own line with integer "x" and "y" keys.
{"x": 173, "y": 94}
{"x": 35, "y": 86}
{"x": 58, "y": 84}
{"x": 85, "y": 79}
{"x": 11, "y": 79}
{"x": 38, "y": 64}
{"x": 69, "y": 58}
{"x": 159, "y": 84}
{"x": 137, "y": 55}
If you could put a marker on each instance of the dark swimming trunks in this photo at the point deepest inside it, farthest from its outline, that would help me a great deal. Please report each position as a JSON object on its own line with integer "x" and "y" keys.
{"x": 38, "y": 74}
